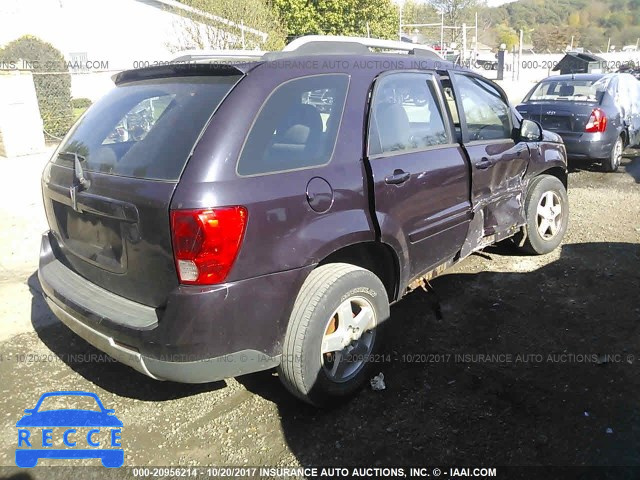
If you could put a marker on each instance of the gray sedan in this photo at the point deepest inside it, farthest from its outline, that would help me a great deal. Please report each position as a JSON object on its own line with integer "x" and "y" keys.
{"x": 597, "y": 115}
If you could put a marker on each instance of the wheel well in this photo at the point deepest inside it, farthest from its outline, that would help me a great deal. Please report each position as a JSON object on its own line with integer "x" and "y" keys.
{"x": 625, "y": 140}
{"x": 559, "y": 173}
{"x": 376, "y": 257}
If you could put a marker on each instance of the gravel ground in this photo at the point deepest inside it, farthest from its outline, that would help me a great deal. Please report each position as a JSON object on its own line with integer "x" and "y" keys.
{"x": 535, "y": 363}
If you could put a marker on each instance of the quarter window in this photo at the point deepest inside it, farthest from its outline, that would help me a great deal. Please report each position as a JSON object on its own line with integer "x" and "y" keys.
{"x": 486, "y": 113}
{"x": 405, "y": 115}
{"x": 297, "y": 126}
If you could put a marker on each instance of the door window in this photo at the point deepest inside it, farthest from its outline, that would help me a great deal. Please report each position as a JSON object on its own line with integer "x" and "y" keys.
{"x": 405, "y": 115}
{"x": 486, "y": 113}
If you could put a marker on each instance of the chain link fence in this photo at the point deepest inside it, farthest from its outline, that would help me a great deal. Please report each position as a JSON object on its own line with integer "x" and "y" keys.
{"x": 64, "y": 96}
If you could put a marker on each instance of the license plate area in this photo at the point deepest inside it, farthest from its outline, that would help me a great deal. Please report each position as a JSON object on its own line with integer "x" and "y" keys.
{"x": 94, "y": 238}
{"x": 554, "y": 122}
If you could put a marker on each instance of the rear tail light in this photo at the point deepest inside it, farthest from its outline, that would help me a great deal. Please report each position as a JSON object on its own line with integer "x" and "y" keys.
{"x": 597, "y": 121}
{"x": 206, "y": 242}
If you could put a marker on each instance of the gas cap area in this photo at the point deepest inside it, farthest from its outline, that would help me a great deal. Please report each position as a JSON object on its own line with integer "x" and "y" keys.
{"x": 319, "y": 194}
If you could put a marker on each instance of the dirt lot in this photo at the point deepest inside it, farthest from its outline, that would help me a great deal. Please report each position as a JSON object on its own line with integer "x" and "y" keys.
{"x": 536, "y": 363}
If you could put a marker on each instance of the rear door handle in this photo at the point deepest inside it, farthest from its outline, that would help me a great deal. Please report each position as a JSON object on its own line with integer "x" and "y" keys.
{"x": 398, "y": 177}
{"x": 484, "y": 164}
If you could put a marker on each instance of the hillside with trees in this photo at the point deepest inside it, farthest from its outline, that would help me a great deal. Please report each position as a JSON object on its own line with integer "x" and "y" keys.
{"x": 548, "y": 25}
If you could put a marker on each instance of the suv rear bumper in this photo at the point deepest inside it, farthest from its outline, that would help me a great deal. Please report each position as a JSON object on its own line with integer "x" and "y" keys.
{"x": 203, "y": 334}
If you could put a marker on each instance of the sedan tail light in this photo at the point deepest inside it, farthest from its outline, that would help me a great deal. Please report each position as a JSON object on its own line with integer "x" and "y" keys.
{"x": 597, "y": 121}
{"x": 206, "y": 242}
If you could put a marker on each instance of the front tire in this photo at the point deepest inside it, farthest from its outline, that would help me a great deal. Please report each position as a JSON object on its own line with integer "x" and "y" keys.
{"x": 334, "y": 332}
{"x": 612, "y": 163}
{"x": 547, "y": 214}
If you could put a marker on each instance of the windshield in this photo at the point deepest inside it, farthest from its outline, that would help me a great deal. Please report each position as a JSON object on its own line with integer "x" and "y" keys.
{"x": 570, "y": 90}
{"x": 145, "y": 129}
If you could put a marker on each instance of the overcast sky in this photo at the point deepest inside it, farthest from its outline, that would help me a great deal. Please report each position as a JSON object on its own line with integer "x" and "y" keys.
{"x": 495, "y": 3}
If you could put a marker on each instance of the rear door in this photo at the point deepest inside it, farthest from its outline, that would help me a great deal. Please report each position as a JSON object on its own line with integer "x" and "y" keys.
{"x": 421, "y": 181}
{"x": 108, "y": 187}
{"x": 498, "y": 162}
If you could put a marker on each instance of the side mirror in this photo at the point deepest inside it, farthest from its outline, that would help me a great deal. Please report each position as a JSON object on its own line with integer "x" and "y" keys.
{"x": 530, "y": 131}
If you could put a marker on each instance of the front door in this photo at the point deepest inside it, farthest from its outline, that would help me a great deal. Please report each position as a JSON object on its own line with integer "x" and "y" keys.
{"x": 498, "y": 162}
{"x": 421, "y": 177}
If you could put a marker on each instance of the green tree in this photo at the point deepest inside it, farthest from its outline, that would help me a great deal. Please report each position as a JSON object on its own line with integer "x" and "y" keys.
{"x": 574, "y": 19}
{"x": 378, "y": 18}
{"x": 219, "y": 26}
{"x": 50, "y": 77}
{"x": 554, "y": 39}
{"x": 419, "y": 12}
{"x": 455, "y": 11}
{"x": 507, "y": 35}
{"x": 299, "y": 17}
{"x": 351, "y": 17}
{"x": 414, "y": 12}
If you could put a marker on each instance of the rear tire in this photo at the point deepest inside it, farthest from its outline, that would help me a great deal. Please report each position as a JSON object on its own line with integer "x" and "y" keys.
{"x": 547, "y": 214}
{"x": 334, "y": 332}
{"x": 612, "y": 163}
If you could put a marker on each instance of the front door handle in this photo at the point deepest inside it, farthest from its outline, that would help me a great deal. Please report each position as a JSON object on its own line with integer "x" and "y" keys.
{"x": 398, "y": 177}
{"x": 484, "y": 164}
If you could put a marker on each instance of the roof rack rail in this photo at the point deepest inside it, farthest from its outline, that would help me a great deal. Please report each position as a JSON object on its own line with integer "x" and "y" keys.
{"x": 202, "y": 56}
{"x": 318, "y": 44}
{"x": 308, "y": 45}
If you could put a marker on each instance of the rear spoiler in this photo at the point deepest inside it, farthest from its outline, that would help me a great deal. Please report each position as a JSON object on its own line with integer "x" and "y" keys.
{"x": 183, "y": 70}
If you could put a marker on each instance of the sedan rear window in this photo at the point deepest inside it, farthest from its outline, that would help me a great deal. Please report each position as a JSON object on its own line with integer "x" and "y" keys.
{"x": 145, "y": 129}
{"x": 568, "y": 90}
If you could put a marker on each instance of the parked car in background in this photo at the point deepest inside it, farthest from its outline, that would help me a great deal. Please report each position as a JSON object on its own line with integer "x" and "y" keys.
{"x": 486, "y": 60}
{"x": 630, "y": 68}
{"x": 597, "y": 115}
{"x": 269, "y": 216}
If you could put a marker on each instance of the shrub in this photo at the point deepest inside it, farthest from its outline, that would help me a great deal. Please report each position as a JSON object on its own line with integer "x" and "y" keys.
{"x": 81, "y": 103}
{"x": 50, "y": 77}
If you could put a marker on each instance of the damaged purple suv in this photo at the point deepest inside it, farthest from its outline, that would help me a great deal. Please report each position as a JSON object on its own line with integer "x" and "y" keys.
{"x": 208, "y": 220}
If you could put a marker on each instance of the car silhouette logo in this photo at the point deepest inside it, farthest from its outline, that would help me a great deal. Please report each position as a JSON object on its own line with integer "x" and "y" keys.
{"x": 69, "y": 421}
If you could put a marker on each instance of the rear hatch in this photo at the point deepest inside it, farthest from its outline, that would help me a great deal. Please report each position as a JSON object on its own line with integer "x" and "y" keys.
{"x": 559, "y": 117}
{"x": 108, "y": 187}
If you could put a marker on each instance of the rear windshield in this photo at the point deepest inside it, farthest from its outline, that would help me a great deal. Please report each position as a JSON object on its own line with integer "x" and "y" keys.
{"x": 569, "y": 90}
{"x": 145, "y": 129}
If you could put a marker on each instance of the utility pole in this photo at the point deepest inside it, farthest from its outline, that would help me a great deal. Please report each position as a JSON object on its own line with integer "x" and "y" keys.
{"x": 400, "y": 26}
{"x": 476, "y": 46}
{"x": 442, "y": 32}
{"x": 520, "y": 53}
{"x": 464, "y": 43}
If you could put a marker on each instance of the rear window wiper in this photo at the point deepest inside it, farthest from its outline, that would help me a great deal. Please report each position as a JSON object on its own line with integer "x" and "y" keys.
{"x": 78, "y": 172}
